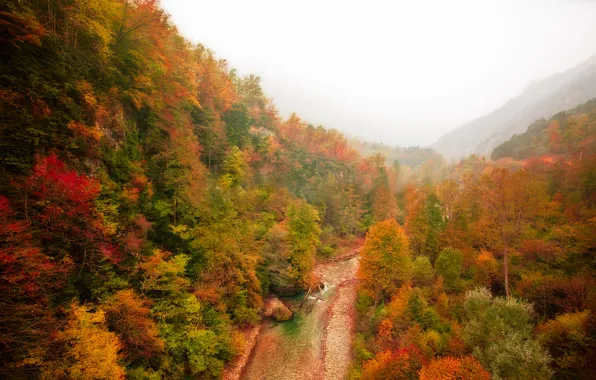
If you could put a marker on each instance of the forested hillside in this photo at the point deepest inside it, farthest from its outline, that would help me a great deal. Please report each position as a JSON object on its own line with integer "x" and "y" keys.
{"x": 150, "y": 196}
{"x": 491, "y": 274}
{"x": 567, "y": 133}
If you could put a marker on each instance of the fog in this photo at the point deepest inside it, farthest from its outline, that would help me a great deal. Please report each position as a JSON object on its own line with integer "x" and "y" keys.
{"x": 399, "y": 72}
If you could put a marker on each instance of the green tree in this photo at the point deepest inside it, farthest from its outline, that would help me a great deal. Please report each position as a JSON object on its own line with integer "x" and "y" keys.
{"x": 237, "y": 125}
{"x": 500, "y": 332}
{"x": 303, "y": 238}
{"x": 423, "y": 273}
{"x": 450, "y": 265}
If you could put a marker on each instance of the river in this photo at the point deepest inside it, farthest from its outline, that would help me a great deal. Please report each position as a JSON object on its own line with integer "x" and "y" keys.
{"x": 317, "y": 342}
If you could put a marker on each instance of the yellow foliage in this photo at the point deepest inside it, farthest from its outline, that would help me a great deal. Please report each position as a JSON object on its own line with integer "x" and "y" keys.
{"x": 386, "y": 262}
{"x": 84, "y": 350}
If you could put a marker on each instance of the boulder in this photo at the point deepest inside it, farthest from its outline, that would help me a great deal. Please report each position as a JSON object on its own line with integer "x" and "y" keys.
{"x": 276, "y": 309}
{"x": 281, "y": 314}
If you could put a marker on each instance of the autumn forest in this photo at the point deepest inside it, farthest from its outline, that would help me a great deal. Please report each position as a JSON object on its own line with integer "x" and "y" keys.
{"x": 153, "y": 202}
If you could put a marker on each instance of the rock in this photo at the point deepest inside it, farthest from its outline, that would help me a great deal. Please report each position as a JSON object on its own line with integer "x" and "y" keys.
{"x": 282, "y": 314}
{"x": 276, "y": 309}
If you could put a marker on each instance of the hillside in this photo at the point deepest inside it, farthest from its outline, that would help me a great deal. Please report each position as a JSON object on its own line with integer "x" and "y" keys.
{"x": 541, "y": 99}
{"x": 568, "y": 132}
{"x": 151, "y": 199}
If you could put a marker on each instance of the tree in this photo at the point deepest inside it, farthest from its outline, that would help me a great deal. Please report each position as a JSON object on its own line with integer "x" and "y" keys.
{"x": 500, "y": 332}
{"x": 60, "y": 203}
{"x": 130, "y": 317}
{"x": 234, "y": 168}
{"x": 303, "y": 238}
{"x": 386, "y": 262}
{"x": 425, "y": 220}
{"x": 450, "y": 265}
{"x": 423, "y": 273}
{"x": 237, "y": 125}
{"x": 350, "y": 211}
{"x": 84, "y": 350}
{"x": 486, "y": 268}
{"x": 384, "y": 204}
{"x": 512, "y": 201}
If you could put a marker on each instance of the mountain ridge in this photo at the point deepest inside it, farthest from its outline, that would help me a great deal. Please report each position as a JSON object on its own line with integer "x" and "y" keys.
{"x": 540, "y": 99}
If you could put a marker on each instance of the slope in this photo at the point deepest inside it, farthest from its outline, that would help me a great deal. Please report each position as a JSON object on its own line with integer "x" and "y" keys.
{"x": 541, "y": 99}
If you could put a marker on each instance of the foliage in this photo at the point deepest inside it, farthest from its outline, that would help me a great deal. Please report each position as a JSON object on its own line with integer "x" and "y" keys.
{"x": 386, "y": 263}
{"x": 500, "y": 332}
{"x": 454, "y": 368}
{"x": 400, "y": 364}
{"x": 449, "y": 265}
{"x": 570, "y": 341}
{"x": 150, "y": 198}
{"x": 303, "y": 238}
{"x": 85, "y": 349}
{"x": 129, "y": 317}
{"x": 565, "y": 133}
{"x": 422, "y": 271}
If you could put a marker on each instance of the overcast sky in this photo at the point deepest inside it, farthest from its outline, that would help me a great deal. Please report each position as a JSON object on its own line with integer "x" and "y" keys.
{"x": 400, "y": 72}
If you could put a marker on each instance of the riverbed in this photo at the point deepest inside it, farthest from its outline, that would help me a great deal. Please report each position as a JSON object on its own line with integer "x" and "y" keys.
{"x": 317, "y": 342}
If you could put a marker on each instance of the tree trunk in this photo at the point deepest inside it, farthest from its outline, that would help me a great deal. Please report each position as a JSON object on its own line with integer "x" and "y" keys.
{"x": 506, "y": 269}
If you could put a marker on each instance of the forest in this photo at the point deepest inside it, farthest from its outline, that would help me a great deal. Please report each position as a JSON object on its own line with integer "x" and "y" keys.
{"x": 152, "y": 199}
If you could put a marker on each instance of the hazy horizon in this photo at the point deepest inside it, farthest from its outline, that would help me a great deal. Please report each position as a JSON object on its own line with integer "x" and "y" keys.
{"x": 393, "y": 73}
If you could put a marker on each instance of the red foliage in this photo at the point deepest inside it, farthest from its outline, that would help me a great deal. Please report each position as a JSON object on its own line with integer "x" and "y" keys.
{"x": 110, "y": 252}
{"x": 64, "y": 217}
{"x": 25, "y": 269}
{"x": 142, "y": 223}
{"x": 132, "y": 242}
{"x": 534, "y": 248}
{"x": 51, "y": 180}
{"x": 27, "y": 278}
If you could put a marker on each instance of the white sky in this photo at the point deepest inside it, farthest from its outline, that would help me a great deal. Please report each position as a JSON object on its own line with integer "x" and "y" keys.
{"x": 399, "y": 72}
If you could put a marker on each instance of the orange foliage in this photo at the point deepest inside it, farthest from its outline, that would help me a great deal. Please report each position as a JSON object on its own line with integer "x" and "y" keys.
{"x": 449, "y": 368}
{"x": 399, "y": 364}
{"x": 129, "y": 316}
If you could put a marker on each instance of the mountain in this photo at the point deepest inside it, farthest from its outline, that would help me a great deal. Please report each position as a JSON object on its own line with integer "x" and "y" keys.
{"x": 541, "y": 99}
{"x": 569, "y": 132}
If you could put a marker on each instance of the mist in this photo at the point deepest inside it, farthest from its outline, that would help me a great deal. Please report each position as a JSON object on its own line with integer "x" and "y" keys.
{"x": 398, "y": 72}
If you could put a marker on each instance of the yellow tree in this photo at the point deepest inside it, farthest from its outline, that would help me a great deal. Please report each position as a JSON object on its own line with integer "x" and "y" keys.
{"x": 386, "y": 262}
{"x": 84, "y": 350}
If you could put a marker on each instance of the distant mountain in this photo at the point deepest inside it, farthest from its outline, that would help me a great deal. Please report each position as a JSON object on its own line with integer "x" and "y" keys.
{"x": 566, "y": 133}
{"x": 541, "y": 99}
